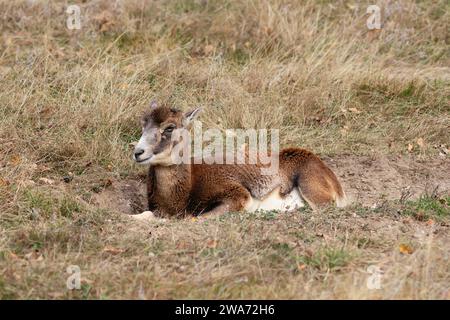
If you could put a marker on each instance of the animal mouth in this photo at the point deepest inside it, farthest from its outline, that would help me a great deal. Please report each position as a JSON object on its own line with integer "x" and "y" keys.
{"x": 143, "y": 160}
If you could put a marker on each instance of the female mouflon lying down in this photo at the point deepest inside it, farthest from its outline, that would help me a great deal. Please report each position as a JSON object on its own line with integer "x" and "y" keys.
{"x": 180, "y": 189}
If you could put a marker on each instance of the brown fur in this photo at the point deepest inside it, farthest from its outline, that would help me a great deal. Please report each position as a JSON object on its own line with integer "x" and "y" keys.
{"x": 193, "y": 189}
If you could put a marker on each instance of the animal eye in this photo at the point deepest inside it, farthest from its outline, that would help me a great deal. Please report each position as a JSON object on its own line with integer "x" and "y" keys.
{"x": 169, "y": 129}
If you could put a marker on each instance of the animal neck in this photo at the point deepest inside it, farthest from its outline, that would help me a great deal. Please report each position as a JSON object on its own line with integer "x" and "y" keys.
{"x": 173, "y": 185}
{"x": 172, "y": 173}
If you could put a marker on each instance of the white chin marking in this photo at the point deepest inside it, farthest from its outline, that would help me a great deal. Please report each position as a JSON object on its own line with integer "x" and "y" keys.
{"x": 273, "y": 201}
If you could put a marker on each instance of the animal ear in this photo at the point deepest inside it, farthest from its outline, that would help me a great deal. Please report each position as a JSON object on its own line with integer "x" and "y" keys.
{"x": 190, "y": 116}
{"x": 153, "y": 104}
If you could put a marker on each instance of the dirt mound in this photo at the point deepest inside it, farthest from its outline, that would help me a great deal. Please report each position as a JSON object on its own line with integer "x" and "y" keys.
{"x": 125, "y": 196}
{"x": 366, "y": 179}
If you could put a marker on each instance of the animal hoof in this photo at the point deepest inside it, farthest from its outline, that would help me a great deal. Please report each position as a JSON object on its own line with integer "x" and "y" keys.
{"x": 146, "y": 215}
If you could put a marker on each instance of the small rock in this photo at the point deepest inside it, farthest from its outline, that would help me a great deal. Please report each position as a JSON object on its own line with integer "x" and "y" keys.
{"x": 46, "y": 181}
{"x": 67, "y": 179}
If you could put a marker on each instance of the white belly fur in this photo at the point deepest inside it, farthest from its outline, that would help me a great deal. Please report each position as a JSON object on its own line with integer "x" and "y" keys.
{"x": 273, "y": 201}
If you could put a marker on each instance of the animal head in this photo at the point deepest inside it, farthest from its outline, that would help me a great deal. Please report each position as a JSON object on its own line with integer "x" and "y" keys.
{"x": 158, "y": 125}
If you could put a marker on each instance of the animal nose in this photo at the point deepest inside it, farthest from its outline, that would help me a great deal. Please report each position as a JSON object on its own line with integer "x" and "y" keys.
{"x": 138, "y": 153}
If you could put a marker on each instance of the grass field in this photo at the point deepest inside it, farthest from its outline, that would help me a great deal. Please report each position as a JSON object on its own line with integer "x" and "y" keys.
{"x": 374, "y": 104}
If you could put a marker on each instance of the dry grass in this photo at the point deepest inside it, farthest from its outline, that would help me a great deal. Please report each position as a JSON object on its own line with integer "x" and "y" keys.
{"x": 264, "y": 255}
{"x": 69, "y": 105}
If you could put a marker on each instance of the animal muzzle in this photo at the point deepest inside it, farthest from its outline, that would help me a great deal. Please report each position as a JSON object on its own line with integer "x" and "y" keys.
{"x": 140, "y": 156}
{"x": 138, "y": 152}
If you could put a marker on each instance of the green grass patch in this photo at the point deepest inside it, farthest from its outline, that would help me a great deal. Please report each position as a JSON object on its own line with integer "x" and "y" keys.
{"x": 42, "y": 204}
{"x": 326, "y": 259}
{"x": 428, "y": 207}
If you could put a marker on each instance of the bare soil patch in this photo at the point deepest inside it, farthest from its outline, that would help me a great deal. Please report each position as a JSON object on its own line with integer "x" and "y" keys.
{"x": 371, "y": 179}
{"x": 125, "y": 196}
